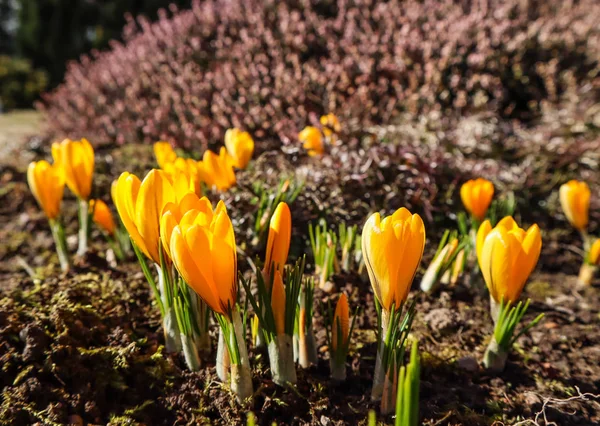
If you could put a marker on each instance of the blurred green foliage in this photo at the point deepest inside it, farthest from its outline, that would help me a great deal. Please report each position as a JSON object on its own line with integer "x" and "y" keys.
{"x": 20, "y": 83}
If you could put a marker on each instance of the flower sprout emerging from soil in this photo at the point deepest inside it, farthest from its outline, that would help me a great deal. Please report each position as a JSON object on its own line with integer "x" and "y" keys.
{"x": 339, "y": 338}
{"x": 407, "y": 394}
{"x": 575, "y": 201}
{"x": 76, "y": 159}
{"x": 447, "y": 263}
{"x": 103, "y": 218}
{"x": 47, "y": 184}
{"x": 240, "y": 147}
{"x": 507, "y": 255}
{"x": 392, "y": 249}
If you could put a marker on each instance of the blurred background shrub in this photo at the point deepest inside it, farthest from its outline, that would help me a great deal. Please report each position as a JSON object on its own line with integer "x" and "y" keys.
{"x": 20, "y": 83}
{"x": 267, "y": 66}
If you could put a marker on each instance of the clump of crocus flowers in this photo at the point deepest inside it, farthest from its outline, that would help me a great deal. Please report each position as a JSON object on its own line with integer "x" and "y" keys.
{"x": 314, "y": 140}
{"x": 575, "y": 201}
{"x": 507, "y": 255}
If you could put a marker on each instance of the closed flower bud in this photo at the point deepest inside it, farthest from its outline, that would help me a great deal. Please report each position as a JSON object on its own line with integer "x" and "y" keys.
{"x": 103, "y": 216}
{"x": 507, "y": 255}
{"x": 240, "y": 147}
{"x": 575, "y": 202}
{"x": 392, "y": 249}
{"x": 278, "y": 303}
{"x": 217, "y": 170}
{"x": 312, "y": 140}
{"x": 47, "y": 184}
{"x": 594, "y": 254}
{"x": 163, "y": 151}
{"x": 476, "y": 196}
{"x": 76, "y": 159}
{"x": 341, "y": 323}
{"x": 278, "y": 242}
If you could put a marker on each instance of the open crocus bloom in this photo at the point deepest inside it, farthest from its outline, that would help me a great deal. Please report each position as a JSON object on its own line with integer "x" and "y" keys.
{"x": 173, "y": 213}
{"x": 575, "y": 202}
{"x": 240, "y": 147}
{"x": 47, "y": 183}
{"x": 163, "y": 151}
{"x": 76, "y": 159}
{"x": 278, "y": 241}
{"x": 103, "y": 216}
{"x": 312, "y": 140}
{"x": 507, "y": 255}
{"x": 140, "y": 205}
{"x": 476, "y": 195}
{"x": 204, "y": 253}
{"x": 392, "y": 249}
{"x": 183, "y": 175}
{"x": 217, "y": 170}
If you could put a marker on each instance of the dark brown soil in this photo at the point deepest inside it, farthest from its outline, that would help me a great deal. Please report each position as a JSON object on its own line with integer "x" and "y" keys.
{"x": 86, "y": 347}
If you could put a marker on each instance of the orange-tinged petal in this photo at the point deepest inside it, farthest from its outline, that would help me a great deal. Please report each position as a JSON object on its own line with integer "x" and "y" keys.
{"x": 575, "y": 202}
{"x": 594, "y": 254}
{"x": 476, "y": 196}
{"x": 103, "y": 216}
{"x": 224, "y": 259}
{"x": 154, "y": 193}
{"x": 240, "y": 147}
{"x": 278, "y": 241}
{"x": 483, "y": 231}
{"x": 341, "y": 322}
{"x": 168, "y": 221}
{"x": 278, "y": 303}
{"x": 47, "y": 185}
{"x": 184, "y": 258}
{"x": 163, "y": 151}
{"x": 125, "y": 197}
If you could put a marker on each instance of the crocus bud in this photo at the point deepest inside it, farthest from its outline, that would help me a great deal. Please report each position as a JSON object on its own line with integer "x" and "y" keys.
{"x": 278, "y": 303}
{"x": 240, "y": 147}
{"x": 103, "y": 216}
{"x": 278, "y": 242}
{"x": 340, "y": 334}
{"x": 163, "y": 151}
{"x": 392, "y": 249}
{"x": 76, "y": 159}
{"x": 507, "y": 255}
{"x": 575, "y": 202}
{"x": 476, "y": 195}
{"x": 47, "y": 184}
{"x": 217, "y": 170}
{"x": 312, "y": 140}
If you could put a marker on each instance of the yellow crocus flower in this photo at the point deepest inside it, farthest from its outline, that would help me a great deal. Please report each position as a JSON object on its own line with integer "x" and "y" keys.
{"x": 47, "y": 184}
{"x": 575, "y": 202}
{"x": 392, "y": 249}
{"x": 312, "y": 140}
{"x": 240, "y": 147}
{"x": 278, "y": 241}
{"x": 76, "y": 159}
{"x": 507, "y": 255}
{"x": 205, "y": 256}
{"x": 163, "y": 151}
{"x": 476, "y": 195}
{"x": 140, "y": 205}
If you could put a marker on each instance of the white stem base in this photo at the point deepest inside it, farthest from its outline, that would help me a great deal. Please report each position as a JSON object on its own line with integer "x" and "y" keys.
{"x": 281, "y": 358}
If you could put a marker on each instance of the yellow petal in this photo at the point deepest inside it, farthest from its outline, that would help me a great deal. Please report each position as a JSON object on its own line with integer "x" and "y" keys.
{"x": 103, "y": 216}
{"x": 594, "y": 255}
{"x": 154, "y": 193}
{"x": 575, "y": 202}
{"x": 47, "y": 185}
{"x": 125, "y": 196}
{"x": 164, "y": 153}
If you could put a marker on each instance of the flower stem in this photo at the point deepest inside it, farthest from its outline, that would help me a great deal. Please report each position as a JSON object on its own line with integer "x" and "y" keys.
{"x": 495, "y": 357}
{"x": 58, "y": 234}
{"x": 241, "y": 379}
{"x": 586, "y": 274}
{"x": 223, "y": 360}
{"x": 84, "y": 227}
{"x": 281, "y": 358}
{"x": 307, "y": 345}
{"x": 338, "y": 370}
{"x": 379, "y": 374}
{"x": 190, "y": 352}
{"x": 170, "y": 325}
